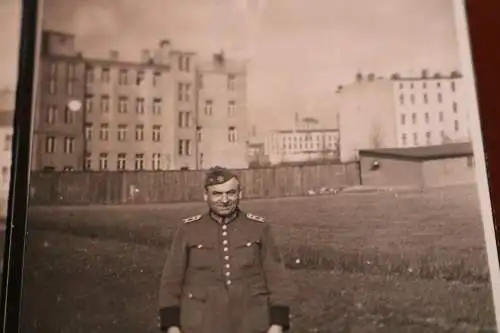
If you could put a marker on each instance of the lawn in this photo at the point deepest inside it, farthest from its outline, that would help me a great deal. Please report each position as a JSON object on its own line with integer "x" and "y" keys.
{"x": 369, "y": 262}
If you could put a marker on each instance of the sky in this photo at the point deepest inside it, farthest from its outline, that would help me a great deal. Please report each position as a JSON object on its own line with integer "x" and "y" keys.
{"x": 299, "y": 51}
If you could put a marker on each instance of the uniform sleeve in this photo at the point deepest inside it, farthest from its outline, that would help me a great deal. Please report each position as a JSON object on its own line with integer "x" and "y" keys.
{"x": 171, "y": 281}
{"x": 278, "y": 281}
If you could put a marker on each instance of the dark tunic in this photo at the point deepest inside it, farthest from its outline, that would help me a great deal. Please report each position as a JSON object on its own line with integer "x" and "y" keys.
{"x": 224, "y": 277}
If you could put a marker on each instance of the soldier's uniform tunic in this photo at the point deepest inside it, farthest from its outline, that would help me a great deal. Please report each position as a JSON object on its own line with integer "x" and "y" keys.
{"x": 224, "y": 276}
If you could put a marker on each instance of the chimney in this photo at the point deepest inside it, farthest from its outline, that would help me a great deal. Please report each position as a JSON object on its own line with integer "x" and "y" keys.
{"x": 145, "y": 56}
{"x": 219, "y": 58}
{"x": 113, "y": 55}
{"x": 163, "y": 52}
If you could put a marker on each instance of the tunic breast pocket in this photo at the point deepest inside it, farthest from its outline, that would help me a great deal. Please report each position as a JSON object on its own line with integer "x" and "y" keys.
{"x": 246, "y": 252}
{"x": 202, "y": 256}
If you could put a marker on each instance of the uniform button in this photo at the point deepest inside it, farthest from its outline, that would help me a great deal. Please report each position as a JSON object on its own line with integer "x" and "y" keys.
{"x": 190, "y": 295}
{"x": 226, "y": 249}
{"x": 249, "y": 244}
{"x": 226, "y": 258}
{"x": 199, "y": 246}
{"x": 224, "y": 227}
{"x": 228, "y": 282}
{"x": 224, "y": 241}
{"x": 224, "y": 233}
{"x": 228, "y": 273}
{"x": 227, "y": 265}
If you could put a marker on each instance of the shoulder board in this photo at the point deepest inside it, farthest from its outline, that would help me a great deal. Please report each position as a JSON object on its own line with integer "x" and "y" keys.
{"x": 192, "y": 219}
{"x": 255, "y": 218}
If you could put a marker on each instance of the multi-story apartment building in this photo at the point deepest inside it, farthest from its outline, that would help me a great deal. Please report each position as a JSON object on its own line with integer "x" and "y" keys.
{"x": 163, "y": 112}
{"x": 6, "y": 131}
{"x": 58, "y": 132}
{"x": 222, "y": 127}
{"x": 401, "y": 112}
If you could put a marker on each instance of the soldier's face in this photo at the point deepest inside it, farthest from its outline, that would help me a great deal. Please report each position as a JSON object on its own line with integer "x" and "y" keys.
{"x": 224, "y": 198}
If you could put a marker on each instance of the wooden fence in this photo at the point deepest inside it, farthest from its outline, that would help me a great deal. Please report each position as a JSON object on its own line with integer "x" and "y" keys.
{"x": 85, "y": 188}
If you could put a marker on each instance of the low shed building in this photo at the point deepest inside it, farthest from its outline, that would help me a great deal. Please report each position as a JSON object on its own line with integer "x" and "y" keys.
{"x": 418, "y": 167}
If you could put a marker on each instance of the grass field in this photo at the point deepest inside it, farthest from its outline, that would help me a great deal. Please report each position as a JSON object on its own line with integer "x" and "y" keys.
{"x": 369, "y": 262}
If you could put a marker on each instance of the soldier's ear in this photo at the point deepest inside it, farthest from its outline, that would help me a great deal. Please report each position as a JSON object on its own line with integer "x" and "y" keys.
{"x": 240, "y": 194}
{"x": 205, "y": 195}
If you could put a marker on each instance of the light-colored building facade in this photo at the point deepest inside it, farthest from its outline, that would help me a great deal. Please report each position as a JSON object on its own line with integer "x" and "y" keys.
{"x": 222, "y": 128}
{"x": 302, "y": 145}
{"x": 401, "y": 112}
{"x": 6, "y": 132}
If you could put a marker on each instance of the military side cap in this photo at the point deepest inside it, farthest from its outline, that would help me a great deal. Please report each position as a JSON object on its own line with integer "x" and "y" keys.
{"x": 218, "y": 175}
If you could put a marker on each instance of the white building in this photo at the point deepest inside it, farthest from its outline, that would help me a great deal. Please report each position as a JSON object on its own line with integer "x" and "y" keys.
{"x": 6, "y": 129}
{"x": 401, "y": 112}
{"x": 301, "y": 145}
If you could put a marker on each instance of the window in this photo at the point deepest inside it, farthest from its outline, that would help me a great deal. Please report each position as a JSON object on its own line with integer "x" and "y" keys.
{"x": 404, "y": 139}
{"x": 52, "y": 86}
{"x": 71, "y": 72}
{"x": 453, "y": 87}
{"x": 198, "y": 134}
{"x": 68, "y": 145}
{"x": 121, "y": 161}
{"x": 156, "y": 161}
{"x": 424, "y": 85}
{"x": 426, "y": 117}
{"x": 105, "y": 77}
{"x": 139, "y": 161}
{"x": 457, "y": 127}
{"x": 89, "y": 103}
{"x": 403, "y": 119}
{"x": 200, "y": 81}
{"x": 426, "y": 99}
{"x": 122, "y": 132}
{"x": 470, "y": 161}
{"x": 157, "y": 106}
{"x": 184, "y": 119}
{"x": 53, "y": 70}
{"x": 440, "y": 98}
{"x": 208, "y": 107}
{"x": 139, "y": 105}
{"x": 104, "y": 103}
{"x": 51, "y": 115}
{"x": 231, "y": 108}
{"x": 184, "y": 147}
{"x": 415, "y": 139}
{"x": 455, "y": 107}
{"x": 184, "y": 63}
{"x": 122, "y": 104}
{"x": 103, "y": 161}
{"x": 231, "y": 82}
{"x": 156, "y": 133}
{"x": 89, "y": 75}
{"x": 414, "y": 118}
{"x": 156, "y": 79}
{"x": 88, "y": 131}
{"x": 232, "y": 137}
{"x": 104, "y": 132}
{"x": 184, "y": 92}
{"x": 401, "y": 99}
{"x": 140, "y": 78}
{"x": 438, "y": 84}
{"x": 139, "y": 132}
{"x": 441, "y": 116}
{"x": 428, "y": 137}
{"x": 412, "y": 99}
{"x": 70, "y": 87}
{"x": 87, "y": 165}
{"x": 50, "y": 144}
{"x": 8, "y": 142}
{"x": 5, "y": 175}
{"x": 68, "y": 116}
{"x": 123, "y": 77}
{"x": 411, "y": 85}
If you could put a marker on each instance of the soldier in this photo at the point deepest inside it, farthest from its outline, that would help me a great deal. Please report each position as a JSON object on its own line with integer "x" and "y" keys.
{"x": 224, "y": 272}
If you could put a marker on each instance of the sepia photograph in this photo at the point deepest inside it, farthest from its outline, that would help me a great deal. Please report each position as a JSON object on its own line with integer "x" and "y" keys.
{"x": 250, "y": 166}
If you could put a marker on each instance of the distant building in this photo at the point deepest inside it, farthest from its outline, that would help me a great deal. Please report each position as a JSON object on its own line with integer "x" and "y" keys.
{"x": 6, "y": 132}
{"x": 302, "y": 145}
{"x": 222, "y": 113}
{"x": 418, "y": 167}
{"x": 401, "y": 112}
{"x": 7, "y": 99}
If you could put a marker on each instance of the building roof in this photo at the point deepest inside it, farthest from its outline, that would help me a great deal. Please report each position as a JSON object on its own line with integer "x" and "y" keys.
{"x": 308, "y": 130}
{"x": 6, "y": 118}
{"x": 435, "y": 152}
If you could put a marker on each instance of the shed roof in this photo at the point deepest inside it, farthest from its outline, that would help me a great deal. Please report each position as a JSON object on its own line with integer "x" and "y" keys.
{"x": 434, "y": 152}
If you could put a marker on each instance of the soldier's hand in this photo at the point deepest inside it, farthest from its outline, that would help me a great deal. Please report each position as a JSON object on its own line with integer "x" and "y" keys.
{"x": 174, "y": 329}
{"x": 275, "y": 329}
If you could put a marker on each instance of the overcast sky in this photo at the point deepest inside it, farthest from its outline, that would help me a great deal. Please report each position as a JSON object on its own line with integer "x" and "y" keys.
{"x": 299, "y": 50}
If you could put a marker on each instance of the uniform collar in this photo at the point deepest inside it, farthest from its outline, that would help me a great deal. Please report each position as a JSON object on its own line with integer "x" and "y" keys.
{"x": 226, "y": 219}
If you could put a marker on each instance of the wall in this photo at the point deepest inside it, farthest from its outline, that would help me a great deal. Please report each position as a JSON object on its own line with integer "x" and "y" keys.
{"x": 71, "y": 188}
{"x": 450, "y": 171}
{"x": 391, "y": 172}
